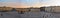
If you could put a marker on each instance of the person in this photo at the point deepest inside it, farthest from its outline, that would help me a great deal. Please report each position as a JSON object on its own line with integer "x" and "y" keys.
{"x": 22, "y": 12}
{"x": 1, "y": 14}
{"x": 29, "y": 9}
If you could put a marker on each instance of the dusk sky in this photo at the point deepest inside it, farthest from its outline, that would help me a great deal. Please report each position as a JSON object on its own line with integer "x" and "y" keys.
{"x": 29, "y": 3}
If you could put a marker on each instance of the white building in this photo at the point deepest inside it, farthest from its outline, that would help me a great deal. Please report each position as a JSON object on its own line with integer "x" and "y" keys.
{"x": 53, "y": 9}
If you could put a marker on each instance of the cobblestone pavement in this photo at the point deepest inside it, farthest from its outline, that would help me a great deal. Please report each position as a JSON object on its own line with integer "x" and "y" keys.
{"x": 29, "y": 15}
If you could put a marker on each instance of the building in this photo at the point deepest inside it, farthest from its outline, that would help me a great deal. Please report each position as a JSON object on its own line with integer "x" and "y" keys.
{"x": 53, "y": 9}
{"x": 35, "y": 9}
{"x": 5, "y": 8}
{"x": 42, "y": 8}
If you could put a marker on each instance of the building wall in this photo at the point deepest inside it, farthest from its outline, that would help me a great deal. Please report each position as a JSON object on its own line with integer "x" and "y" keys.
{"x": 57, "y": 9}
{"x": 48, "y": 9}
{"x": 25, "y": 10}
{"x": 5, "y": 9}
{"x": 35, "y": 10}
{"x": 52, "y": 9}
{"x": 29, "y": 10}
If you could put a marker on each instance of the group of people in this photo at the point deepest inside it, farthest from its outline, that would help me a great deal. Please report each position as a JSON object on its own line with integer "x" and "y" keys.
{"x": 22, "y": 12}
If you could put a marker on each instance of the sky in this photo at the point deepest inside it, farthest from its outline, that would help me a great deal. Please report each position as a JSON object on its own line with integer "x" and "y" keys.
{"x": 29, "y": 3}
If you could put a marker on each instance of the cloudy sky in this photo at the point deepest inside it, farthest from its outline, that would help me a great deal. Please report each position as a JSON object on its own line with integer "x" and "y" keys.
{"x": 29, "y": 3}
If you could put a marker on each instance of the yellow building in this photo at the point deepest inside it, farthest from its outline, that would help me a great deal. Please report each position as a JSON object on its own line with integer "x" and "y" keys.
{"x": 22, "y": 9}
{"x": 5, "y": 8}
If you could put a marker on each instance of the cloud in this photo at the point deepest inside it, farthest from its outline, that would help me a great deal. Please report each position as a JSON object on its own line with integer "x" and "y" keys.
{"x": 14, "y": 4}
{"x": 51, "y": 2}
{"x": 26, "y": 3}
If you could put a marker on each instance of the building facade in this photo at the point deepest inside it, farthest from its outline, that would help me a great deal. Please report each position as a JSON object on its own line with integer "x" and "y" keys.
{"x": 5, "y": 8}
{"x": 53, "y": 9}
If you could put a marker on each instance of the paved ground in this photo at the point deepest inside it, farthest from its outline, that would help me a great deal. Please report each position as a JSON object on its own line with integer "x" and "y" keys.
{"x": 29, "y": 15}
{"x": 16, "y": 15}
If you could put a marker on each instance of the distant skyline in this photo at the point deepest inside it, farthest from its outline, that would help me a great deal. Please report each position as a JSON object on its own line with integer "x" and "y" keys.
{"x": 29, "y": 3}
